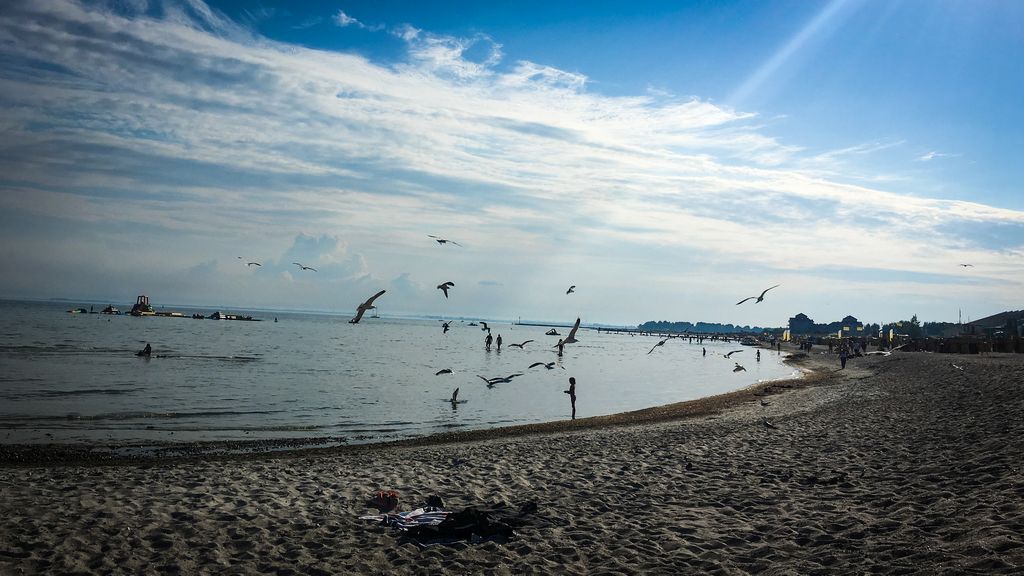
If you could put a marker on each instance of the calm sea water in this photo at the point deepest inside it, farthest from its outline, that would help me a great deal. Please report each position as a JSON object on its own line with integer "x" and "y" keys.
{"x": 74, "y": 378}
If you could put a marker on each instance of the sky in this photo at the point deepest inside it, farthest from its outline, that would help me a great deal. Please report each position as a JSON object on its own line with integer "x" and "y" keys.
{"x": 666, "y": 158}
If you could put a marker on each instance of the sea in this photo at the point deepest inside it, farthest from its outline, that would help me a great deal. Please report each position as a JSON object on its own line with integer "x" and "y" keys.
{"x": 74, "y": 378}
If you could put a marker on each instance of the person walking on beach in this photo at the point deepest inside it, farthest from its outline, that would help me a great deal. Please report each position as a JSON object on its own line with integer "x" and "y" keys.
{"x": 499, "y": 342}
{"x": 487, "y": 342}
{"x": 560, "y": 345}
{"x": 842, "y": 357}
{"x": 572, "y": 395}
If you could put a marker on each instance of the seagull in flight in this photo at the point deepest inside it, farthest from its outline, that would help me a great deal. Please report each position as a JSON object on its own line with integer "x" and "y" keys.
{"x": 492, "y": 381}
{"x": 739, "y": 368}
{"x": 731, "y": 353}
{"x": 966, "y": 265}
{"x": 368, "y": 305}
{"x": 442, "y": 241}
{"x": 759, "y": 298}
{"x": 548, "y": 365}
{"x": 571, "y": 290}
{"x": 662, "y": 343}
{"x": 485, "y": 326}
{"x": 301, "y": 267}
{"x": 571, "y": 338}
{"x": 520, "y": 346}
{"x": 443, "y": 371}
{"x": 254, "y": 264}
{"x": 455, "y": 397}
{"x": 444, "y": 287}
{"x": 446, "y": 326}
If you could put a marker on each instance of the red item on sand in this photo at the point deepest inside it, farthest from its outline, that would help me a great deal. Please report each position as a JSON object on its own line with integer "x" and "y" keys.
{"x": 385, "y": 500}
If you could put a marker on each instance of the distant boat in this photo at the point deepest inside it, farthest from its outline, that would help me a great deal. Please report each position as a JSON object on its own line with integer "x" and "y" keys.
{"x": 110, "y": 310}
{"x": 142, "y": 307}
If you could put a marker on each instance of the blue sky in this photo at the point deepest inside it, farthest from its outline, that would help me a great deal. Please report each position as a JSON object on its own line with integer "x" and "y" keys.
{"x": 668, "y": 158}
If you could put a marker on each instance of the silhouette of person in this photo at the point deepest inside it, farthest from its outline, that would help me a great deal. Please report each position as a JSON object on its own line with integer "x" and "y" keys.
{"x": 572, "y": 395}
{"x": 147, "y": 351}
{"x": 758, "y": 355}
{"x": 487, "y": 341}
{"x": 560, "y": 345}
{"x": 499, "y": 342}
{"x": 704, "y": 352}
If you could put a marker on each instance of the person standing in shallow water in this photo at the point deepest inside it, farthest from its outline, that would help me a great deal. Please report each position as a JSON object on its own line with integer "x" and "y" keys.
{"x": 498, "y": 342}
{"x": 487, "y": 341}
{"x": 572, "y": 395}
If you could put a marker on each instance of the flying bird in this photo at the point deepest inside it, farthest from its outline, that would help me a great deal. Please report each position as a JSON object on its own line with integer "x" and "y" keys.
{"x": 444, "y": 287}
{"x": 301, "y": 267}
{"x": 254, "y": 264}
{"x": 485, "y": 326}
{"x": 731, "y": 353}
{"x": 368, "y": 305}
{"x": 662, "y": 343}
{"x": 446, "y": 326}
{"x": 492, "y": 381}
{"x": 520, "y": 346}
{"x": 966, "y": 265}
{"x": 549, "y": 365}
{"x": 455, "y": 397}
{"x": 443, "y": 371}
{"x": 759, "y": 298}
{"x": 443, "y": 241}
{"x": 571, "y": 290}
{"x": 571, "y": 338}
{"x": 739, "y": 368}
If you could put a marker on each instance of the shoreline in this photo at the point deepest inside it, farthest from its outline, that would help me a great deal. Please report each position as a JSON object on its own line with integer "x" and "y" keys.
{"x": 107, "y": 454}
{"x": 903, "y": 464}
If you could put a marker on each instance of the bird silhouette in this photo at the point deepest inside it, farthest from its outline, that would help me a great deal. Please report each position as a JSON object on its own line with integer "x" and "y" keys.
{"x": 731, "y": 353}
{"x": 445, "y": 286}
{"x": 662, "y": 343}
{"x": 571, "y": 338}
{"x": 254, "y": 264}
{"x": 443, "y": 371}
{"x": 759, "y": 298}
{"x": 520, "y": 346}
{"x": 966, "y": 265}
{"x": 548, "y": 365}
{"x": 442, "y": 241}
{"x": 492, "y": 381}
{"x": 368, "y": 305}
{"x": 455, "y": 397}
{"x": 571, "y": 290}
{"x": 302, "y": 267}
{"x": 446, "y": 326}
{"x": 739, "y": 368}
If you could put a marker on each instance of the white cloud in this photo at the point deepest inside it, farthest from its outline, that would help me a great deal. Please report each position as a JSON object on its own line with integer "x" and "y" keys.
{"x": 189, "y": 127}
{"x": 344, "y": 20}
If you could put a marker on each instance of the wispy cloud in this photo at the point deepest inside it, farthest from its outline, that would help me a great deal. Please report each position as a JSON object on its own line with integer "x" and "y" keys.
{"x": 187, "y": 126}
{"x": 932, "y": 155}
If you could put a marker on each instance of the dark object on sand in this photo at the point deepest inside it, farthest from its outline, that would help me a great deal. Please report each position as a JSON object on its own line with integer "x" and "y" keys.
{"x": 146, "y": 352}
{"x": 474, "y": 524}
{"x": 551, "y": 332}
{"x": 384, "y": 501}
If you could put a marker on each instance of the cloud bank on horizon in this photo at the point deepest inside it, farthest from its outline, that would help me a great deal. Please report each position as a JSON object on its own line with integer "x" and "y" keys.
{"x": 146, "y": 149}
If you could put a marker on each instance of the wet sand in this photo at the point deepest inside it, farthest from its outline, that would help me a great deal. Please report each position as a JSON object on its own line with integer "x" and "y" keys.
{"x": 899, "y": 464}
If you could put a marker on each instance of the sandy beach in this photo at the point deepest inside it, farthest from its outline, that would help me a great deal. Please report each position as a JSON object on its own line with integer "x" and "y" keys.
{"x": 898, "y": 464}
